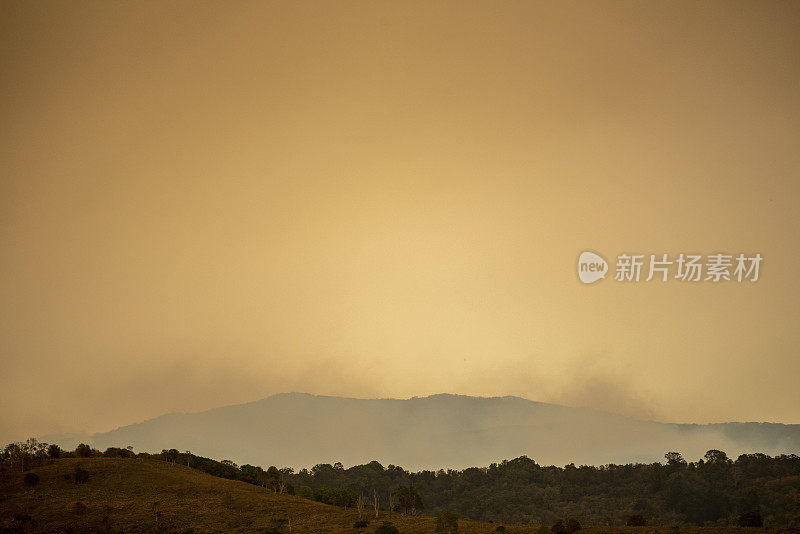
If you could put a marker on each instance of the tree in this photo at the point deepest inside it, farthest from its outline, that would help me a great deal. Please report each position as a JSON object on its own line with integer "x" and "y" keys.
{"x": 675, "y": 459}
{"x": 116, "y": 452}
{"x": 716, "y": 457}
{"x": 15, "y": 452}
{"x": 54, "y": 451}
{"x": 306, "y": 492}
{"x": 31, "y": 446}
{"x": 360, "y": 502}
{"x": 83, "y": 451}
{"x": 409, "y": 500}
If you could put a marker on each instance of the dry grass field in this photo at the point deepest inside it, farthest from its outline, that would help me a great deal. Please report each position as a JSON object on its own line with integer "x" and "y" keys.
{"x": 139, "y": 495}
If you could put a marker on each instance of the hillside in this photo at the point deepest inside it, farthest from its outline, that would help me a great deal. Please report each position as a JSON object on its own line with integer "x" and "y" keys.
{"x": 140, "y": 495}
{"x": 439, "y": 431}
{"x": 147, "y": 495}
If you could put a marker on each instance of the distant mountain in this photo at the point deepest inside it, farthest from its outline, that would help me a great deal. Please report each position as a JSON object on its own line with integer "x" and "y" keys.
{"x": 440, "y": 431}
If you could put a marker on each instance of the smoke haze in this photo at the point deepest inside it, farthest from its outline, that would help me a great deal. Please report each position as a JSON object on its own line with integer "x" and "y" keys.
{"x": 204, "y": 204}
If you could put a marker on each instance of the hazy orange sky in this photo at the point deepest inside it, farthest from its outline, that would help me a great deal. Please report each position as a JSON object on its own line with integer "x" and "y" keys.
{"x": 208, "y": 203}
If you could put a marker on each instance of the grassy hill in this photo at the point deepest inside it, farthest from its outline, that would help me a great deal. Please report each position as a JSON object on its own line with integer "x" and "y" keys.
{"x": 135, "y": 495}
{"x": 145, "y": 495}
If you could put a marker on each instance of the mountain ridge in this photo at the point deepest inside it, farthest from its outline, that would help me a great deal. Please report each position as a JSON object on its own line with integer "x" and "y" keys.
{"x": 437, "y": 431}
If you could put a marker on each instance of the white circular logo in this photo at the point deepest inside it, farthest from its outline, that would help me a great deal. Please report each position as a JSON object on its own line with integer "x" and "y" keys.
{"x": 591, "y": 267}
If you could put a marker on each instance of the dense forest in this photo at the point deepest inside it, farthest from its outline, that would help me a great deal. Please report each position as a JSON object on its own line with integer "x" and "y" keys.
{"x": 712, "y": 491}
{"x": 752, "y": 490}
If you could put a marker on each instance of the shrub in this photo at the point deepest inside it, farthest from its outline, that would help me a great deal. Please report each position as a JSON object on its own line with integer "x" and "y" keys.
{"x": 572, "y": 525}
{"x": 636, "y": 520}
{"x": 386, "y": 528}
{"x": 21, "y": 523}
{"x": 360, "y": 524}
{"x": 79, "y": 508}
{"x": 31, "y": 479}
{"x": 751, "y": 519}
{"x": 446, "y": 522}
{"x": 501, "y": 528}
{"x": 81, "y": 475}
{"x": 559, "y": 528}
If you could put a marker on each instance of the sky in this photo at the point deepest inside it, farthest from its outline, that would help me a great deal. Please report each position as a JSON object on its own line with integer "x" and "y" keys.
{"x": 207, "y": 203}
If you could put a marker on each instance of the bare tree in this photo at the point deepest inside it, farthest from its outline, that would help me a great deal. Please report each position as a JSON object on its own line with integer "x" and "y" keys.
{"x": 375, "y": 503}
{"x": 360, "y": 502}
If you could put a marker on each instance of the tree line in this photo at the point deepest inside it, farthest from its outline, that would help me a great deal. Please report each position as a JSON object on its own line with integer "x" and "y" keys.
{"x": 753, "y": 490}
